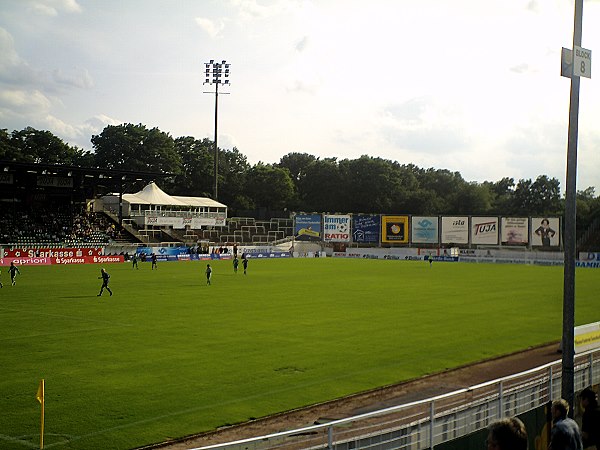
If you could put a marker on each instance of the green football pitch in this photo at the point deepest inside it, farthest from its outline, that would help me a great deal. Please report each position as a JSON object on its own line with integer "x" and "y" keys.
{"x": 168, "y": 356}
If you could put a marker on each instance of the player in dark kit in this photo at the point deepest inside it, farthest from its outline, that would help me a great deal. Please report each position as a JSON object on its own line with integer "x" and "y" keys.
{"x": 104, "y": 276}
{"x": 154, "y": 266}
{"x": 236, "y": 262}
{"x": 245, "y": 263}
{"x": 135, "y": 261}
{"x": 13, "y": 271}
{"x": 208, "y": 273}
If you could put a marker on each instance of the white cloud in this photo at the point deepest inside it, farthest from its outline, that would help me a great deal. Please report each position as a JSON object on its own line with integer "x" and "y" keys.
{"x": 79, "y": 78}
{"x": 24, "y": 102}
{"x": 52, "y": 8}
{"x": 96, "y": 124}
{"x": 13, "y": 69}
{"x": 302, "y": 44}
{"x": 212, "y": 28}
{"x": 61, "y": 128}
{"x": 250, "y": 9}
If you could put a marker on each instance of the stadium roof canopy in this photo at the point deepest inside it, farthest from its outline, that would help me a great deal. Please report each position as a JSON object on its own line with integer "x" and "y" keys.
{"x": 29, "y": 182}
{"x": 7, "y": 166}
{"x": 153, "y": 195}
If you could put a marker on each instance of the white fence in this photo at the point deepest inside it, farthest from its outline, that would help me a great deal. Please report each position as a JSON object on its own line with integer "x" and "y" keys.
{"x": 426, "y": 423}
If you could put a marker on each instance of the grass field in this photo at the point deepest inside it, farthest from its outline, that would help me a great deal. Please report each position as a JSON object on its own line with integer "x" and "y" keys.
{"x": 168, "y": 356}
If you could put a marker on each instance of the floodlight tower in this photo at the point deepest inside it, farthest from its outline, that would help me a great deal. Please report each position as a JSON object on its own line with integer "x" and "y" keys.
{"x": 216, "y": 73}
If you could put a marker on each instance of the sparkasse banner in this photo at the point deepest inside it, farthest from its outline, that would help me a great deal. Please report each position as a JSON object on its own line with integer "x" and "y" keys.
{"x": 336, "y": 228}
{"x": 484, "y": 230}
{"x": 52, "y": 252}
{"x": 48, "y": 260}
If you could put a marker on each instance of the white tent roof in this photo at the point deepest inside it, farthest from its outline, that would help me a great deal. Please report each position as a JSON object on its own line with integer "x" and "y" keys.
{"x": 153, "y": 195}
{"x": 200, "y": 201}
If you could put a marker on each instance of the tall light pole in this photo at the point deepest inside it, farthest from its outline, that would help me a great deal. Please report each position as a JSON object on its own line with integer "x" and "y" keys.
{"x": 216, "y": 73}
{"x": 580, "y": 61}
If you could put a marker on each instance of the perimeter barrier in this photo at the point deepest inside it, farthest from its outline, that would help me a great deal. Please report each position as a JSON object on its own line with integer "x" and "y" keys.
{"x": 444, "y": 421}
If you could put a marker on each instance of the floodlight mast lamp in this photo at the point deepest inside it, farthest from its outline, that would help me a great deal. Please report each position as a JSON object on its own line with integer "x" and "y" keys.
{"x": 216, "y": 73}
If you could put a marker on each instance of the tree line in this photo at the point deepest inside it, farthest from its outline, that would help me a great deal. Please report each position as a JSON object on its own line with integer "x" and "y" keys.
{"x": 299, "y": 181}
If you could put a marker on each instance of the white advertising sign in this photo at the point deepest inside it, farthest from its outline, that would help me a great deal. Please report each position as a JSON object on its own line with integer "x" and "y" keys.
{"x": 515, "y": 230}
{"x": 587, "y": 337}
{"x": 484, "y": 230}
{"x": 545, "y": 231}
{"x": 424, "y": 229}
{"x": 336, "y": 228}
{"x": 455, "y": 230}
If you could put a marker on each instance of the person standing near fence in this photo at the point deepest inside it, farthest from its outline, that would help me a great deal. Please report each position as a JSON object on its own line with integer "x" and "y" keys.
{"x": 507, "y": 434}
{"x": 590, "y": 420}
{"x": 565, "y": 433}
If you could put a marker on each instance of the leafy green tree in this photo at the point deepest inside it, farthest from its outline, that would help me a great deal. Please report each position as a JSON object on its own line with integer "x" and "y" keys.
{"x": 445, "y": 185}
{"x": 41, "y": 147}
{"x": 322, "y": 187}
{"x": 296, "y": 164}
{"x": 269, "y": 186}
{"x": 546, "y": 196}
{"x": 372, "y": 185}
{"x": 588, "y": 209}
{"x": 134, "y": 147}
{"x": 8, "y": 151}
{"x": 502, "y": 195}
{"x": 233, "y": 176}
{"x": 539, "y": 197}
{"x": 197, "y": 173}
{"x": 473, "y": 198}
{"x": 522, "y": 204}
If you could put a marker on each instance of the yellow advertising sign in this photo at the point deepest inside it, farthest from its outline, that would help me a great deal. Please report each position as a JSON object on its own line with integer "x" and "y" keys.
{"x": 394, "y": 229}
{"x": 587, "y": 337}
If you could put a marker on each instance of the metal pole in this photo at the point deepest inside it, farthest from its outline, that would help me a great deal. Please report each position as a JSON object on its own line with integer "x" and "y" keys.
{"x": 568, "y": 338}
{"x": 216, "y": 171}
{"x": 431, "y": 424}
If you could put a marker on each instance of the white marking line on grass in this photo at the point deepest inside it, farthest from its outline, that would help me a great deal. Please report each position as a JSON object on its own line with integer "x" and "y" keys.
{"x": 198, "y": 408}
{"x": 18, "y": 440}
{"x": 31, "y": 438}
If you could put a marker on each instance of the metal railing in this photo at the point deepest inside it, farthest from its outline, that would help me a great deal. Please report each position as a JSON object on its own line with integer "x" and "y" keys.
{"x": 426, "y": 423}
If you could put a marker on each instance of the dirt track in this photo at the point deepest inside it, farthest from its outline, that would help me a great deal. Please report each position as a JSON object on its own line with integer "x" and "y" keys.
{"x": 398, "y": 394}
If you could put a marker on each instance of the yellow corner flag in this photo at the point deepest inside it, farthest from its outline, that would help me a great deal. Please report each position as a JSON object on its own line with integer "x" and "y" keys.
{"x": 40, "y": 392}
{"x": 40, "y": 398}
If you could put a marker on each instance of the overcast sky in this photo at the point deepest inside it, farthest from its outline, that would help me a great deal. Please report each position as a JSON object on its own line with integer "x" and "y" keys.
{"x": 467, "y": 85}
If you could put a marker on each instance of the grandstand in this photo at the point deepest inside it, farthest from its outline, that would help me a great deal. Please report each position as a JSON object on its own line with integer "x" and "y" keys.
{"x": 54, "y": 206}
